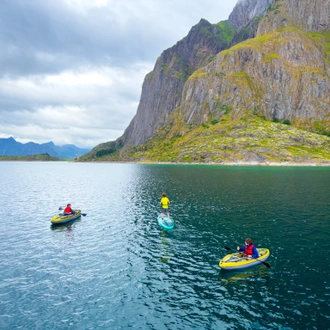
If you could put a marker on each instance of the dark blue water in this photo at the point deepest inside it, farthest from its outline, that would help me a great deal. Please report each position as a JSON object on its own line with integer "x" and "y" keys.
{"x": 116, "y": 269}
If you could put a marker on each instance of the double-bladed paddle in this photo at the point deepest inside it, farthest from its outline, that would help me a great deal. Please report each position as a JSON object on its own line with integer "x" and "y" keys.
{"x": 265, "y": 263}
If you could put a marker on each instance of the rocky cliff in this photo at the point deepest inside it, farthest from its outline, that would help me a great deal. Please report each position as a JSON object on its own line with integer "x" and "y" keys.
{"x": 246, "y": 10}
{"x": 283, "y": 74}
{"x": 280, "y": 72}
{"x": 162, "y": 88}
{"x": 308, "y": 15}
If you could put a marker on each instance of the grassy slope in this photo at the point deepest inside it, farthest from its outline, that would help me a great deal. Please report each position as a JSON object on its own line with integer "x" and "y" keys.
{"x": 246, "y": 140}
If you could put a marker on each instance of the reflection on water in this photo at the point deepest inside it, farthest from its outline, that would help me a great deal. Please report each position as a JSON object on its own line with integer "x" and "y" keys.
{"x": 65, "y": 226}
{"x": 165, "y": 250}
{"x": 250, "y": 276}
{"x": 117, "y": 269}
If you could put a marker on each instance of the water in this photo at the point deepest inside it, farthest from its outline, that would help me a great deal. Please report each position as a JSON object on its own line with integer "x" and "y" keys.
{"x": 116, "y": 269}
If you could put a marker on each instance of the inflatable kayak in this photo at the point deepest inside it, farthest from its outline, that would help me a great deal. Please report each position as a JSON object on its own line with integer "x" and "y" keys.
{"x": 165, "y": 222}
{"x": 61, "y": 218}
{"x": 236, "y": 260}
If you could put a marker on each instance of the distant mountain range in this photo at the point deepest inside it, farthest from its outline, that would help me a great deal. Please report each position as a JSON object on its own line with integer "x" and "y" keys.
{"x": 10, "y": 147}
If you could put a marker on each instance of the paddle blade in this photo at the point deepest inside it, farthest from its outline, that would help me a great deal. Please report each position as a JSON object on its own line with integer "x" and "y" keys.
{"x": 228, "y": 248}
{"x": 266, "y": 264}
{"x": 83, "y": 214}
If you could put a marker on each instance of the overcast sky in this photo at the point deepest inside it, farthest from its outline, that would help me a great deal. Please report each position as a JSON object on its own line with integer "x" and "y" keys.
{"x": 71, "y": 71}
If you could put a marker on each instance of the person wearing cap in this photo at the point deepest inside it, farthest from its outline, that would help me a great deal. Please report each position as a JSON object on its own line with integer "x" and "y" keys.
{"x": 68, "y": 210}
{"x": 249, "y": 250}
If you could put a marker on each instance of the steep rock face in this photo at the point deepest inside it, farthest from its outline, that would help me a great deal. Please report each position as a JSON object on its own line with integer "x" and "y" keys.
{"x": 162, "y": 88}
{"x": 247, "y": 32}
{"x": 283, "y": 75}
{"x": 246, "y": 10}
{"x": 309, "y": 15}
{"x": 246, "y": 17}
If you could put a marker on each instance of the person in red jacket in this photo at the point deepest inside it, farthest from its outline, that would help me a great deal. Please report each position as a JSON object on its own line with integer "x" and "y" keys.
{"x": 68, "y": 210}
{"x": 249, "y": 249}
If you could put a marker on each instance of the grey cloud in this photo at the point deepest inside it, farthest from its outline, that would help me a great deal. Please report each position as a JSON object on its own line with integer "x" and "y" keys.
{"x": 46, "y": 36}
{"x": 41, "y": 40}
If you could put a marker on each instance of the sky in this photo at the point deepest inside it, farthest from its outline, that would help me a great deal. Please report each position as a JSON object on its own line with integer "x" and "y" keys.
{"x": 71, "y": 71}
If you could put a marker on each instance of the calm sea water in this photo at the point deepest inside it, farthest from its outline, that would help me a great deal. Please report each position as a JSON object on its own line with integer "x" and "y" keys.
{"x": 116, "y": 269}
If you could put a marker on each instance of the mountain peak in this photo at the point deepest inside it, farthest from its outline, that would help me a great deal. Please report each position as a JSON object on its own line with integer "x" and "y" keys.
{"x": 10, "y": 147}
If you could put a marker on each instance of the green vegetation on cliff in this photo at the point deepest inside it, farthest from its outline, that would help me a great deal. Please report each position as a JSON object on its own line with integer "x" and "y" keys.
{"x": 284, "y": 74}
{"x": 226, "y": 31}
{"x": 250, "y": 139}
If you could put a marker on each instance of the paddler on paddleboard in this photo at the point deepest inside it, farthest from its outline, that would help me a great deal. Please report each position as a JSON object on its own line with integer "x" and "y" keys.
{"x": 165, "y": 203}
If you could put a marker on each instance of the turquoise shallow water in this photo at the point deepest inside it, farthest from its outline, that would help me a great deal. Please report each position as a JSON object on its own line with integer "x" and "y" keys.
{"x": 117, "y": 269}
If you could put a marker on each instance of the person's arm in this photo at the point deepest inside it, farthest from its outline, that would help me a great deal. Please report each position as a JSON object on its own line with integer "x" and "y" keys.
{"x": 255, "y": 253}
{"x": 241, "y": 249}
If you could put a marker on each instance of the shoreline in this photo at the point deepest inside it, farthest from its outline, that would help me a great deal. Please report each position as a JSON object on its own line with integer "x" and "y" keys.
{"x": 275, "y": 164}
{"x": 265, "y": 164}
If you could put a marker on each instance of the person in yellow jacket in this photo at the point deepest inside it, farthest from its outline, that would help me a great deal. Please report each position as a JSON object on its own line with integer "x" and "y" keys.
{"x": 165, "y": 203}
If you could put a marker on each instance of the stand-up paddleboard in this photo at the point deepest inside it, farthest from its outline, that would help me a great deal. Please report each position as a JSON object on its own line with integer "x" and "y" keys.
{"x": 165, "y": 223}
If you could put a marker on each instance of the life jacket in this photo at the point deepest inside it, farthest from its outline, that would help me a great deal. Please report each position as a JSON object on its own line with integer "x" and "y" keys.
{"x": 67, "y": 210}
{"x": 248, "y": 249}
{"x": 164, "y": 202}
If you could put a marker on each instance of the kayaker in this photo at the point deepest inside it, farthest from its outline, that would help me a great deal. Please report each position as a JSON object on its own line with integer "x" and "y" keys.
{"x": 249, "y": 249}
{"x": 68, "y": 210}
{"x": 165, "y": 202}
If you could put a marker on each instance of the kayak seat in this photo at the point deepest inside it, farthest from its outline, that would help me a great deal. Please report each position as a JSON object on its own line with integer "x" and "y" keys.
{"x": 234, "y": 258}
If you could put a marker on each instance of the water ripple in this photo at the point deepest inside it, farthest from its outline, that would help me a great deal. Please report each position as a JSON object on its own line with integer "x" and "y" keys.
{"x": 116, "y": 269}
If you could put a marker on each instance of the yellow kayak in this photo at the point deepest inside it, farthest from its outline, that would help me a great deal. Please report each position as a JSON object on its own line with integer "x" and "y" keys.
{"x": 236, "y": 260}
{"x": 61, "y": 218}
